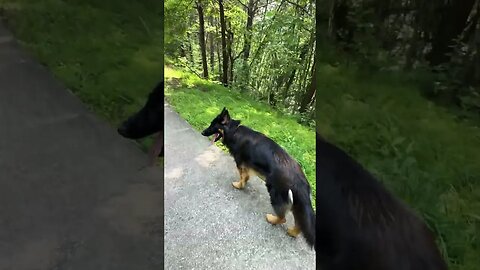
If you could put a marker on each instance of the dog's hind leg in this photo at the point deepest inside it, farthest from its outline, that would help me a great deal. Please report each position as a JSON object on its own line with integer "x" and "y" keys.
{"x": 244, "y": 176}
{"x": 279, "y": 218}
{"x": 280, "y": 211}
{"x": 280, "y": 206}
{"x": 294, "y": 231}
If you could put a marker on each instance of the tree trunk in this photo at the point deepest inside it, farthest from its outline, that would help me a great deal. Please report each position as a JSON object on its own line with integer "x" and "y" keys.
{"x": 309, "y": 94}
{"x": 339, "y": 26}
{"x": 248, "y": 29}
{"x": 453, "y": 19}
{"x": 230, "y": 55}
{"x": 303, "y": 53}
{"x": 289, "y": 83}
{"x": 223, "y": 27}
{"x": 471, "y": 36}
{"x": 476, "y": 61}
{"x": 220, "y": 68}
{"x": 271, "y": 98}
{"x": 217, "y": 48}
{"x": 412, "y": 51}
{"x": 471, "y": 24}
{"x": 251, "y": 10}
{"x": 190, "y": 50}
{"x": 212, "y": 48}
{"x": 183, "y": 53}
{"x": 201, "y": 36}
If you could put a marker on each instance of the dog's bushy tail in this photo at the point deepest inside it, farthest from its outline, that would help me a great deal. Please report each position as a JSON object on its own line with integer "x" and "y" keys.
{"x": 304, "y": 215}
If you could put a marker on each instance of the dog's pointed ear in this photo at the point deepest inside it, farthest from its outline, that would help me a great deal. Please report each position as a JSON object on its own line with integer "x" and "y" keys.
{"x": 225, "y": 116}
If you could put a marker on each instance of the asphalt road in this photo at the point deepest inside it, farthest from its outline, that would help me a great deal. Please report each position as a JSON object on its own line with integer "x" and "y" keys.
{"x": 211, "y": 225}
{"x": 73, "y": 193}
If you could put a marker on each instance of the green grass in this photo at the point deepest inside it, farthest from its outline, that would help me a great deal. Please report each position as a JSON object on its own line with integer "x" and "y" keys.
{"x": 199, "y": 101}
{"x": 108, "y": 52}
{"x": 422, "y": 152}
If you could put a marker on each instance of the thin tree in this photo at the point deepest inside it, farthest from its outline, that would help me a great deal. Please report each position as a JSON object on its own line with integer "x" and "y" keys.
{"x": 453, "y": 18}
{"x": 201, "y": 37}
{"x": 230, "y": 37}
{"x": 309, "y": 94}
{"x": 223, "y": 27}
{"x": 212, "y": 46}
{"x": 250, "y": 8}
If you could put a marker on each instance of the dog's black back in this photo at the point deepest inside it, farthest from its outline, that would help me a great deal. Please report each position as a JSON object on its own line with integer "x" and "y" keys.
{"x": 360, "y": 225}
{"x": 260, "y": 153}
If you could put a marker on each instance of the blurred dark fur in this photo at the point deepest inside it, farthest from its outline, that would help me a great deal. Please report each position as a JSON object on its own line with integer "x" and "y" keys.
{"x": 362, "y": 226}
{"x": 147, "y": 121}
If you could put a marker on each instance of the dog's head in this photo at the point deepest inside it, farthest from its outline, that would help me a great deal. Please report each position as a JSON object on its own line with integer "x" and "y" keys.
{"x": 147, "y": 120}
{"x": 218, "y": 125}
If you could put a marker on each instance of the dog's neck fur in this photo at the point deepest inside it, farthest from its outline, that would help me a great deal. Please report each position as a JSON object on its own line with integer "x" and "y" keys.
{"x": 230, "y": 129}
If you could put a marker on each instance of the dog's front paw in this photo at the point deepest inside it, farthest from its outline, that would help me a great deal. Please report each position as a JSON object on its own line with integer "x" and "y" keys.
{"x": 238, "y": 185}
{"x": 272, "y": 219}
{"x": 293, "y": 231}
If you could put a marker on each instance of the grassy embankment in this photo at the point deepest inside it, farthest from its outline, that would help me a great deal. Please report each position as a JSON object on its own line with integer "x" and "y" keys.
{"x": 422, "y": 152}
{"x": 109, "y": 52}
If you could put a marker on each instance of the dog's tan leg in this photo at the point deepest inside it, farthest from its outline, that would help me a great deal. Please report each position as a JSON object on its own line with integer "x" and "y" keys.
{"x": 294, "y": 231}
{"x": 244, "y": 176}
{"x": 272, "y": 219}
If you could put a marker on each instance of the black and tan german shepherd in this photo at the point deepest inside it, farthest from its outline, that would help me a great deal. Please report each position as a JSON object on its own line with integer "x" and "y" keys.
{"x": 148, "y": 121}
{"x": 256, "y": 154}
{"x": 362, "y": 226}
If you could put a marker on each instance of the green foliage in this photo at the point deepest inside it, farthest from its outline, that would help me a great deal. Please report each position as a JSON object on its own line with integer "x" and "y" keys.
{"x": 454, "y": 81}
{"x": 109, "y": 52}
{"x": 199, "y": 101}
{"x": 412, "y": 35}
{"x": 279, "y": 39}
{"x": 420, "y": 151}
{"x": 176, "y": 23}
{"x": 236, "y": 17}
{"x": 279, "y": 33}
